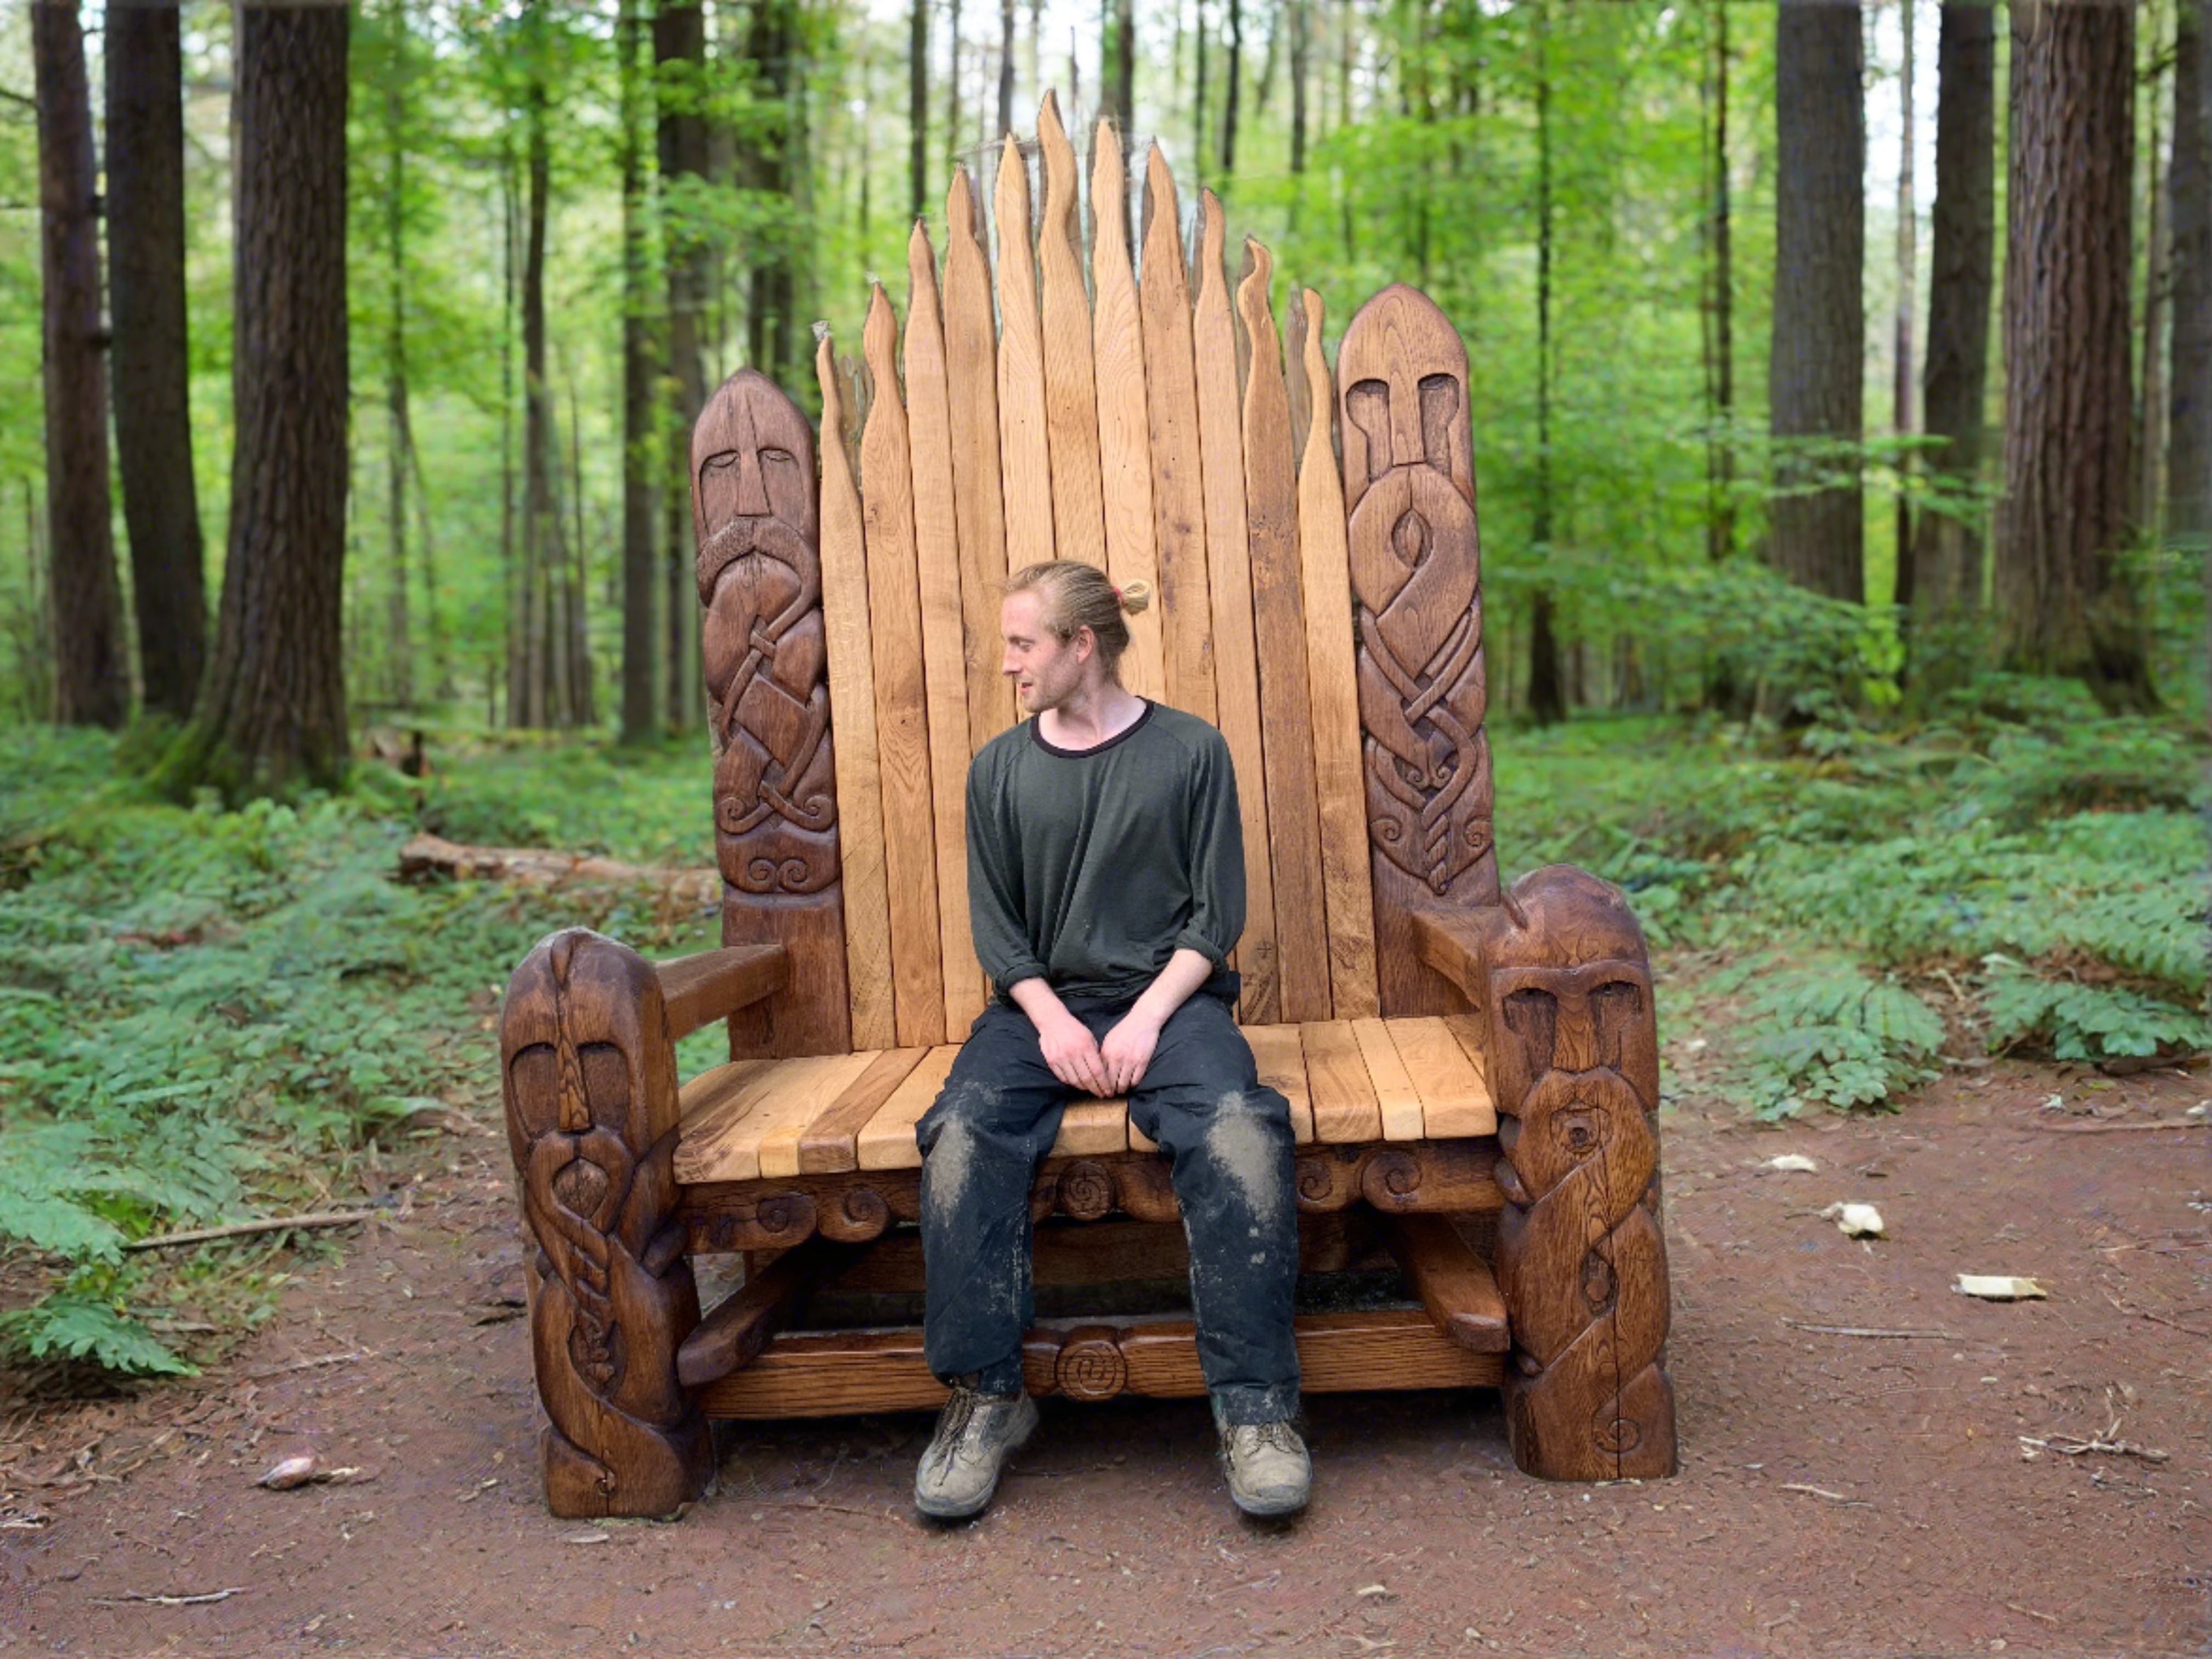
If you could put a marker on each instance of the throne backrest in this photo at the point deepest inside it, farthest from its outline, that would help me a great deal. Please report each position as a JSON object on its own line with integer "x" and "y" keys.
{"x": 1325, "y": 615}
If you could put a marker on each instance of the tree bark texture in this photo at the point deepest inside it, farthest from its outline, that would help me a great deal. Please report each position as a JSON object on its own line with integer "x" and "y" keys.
{"x": 1548, "y": 684}
{"x": 679, "y": 44}
{"x": 1901, "y": 320}
{"x": 152, "y": 414}
{"x": 772, "y": 44}
{"x": 1232, "y": 95}
{"x": 917, "y": 114}
{"x": 1005, "y": 123}
{"x": 2188, "y": 429}
{"x": 1720, "y": 452}
{"x": 92, "y": 677}
{"x": 1946, "y": 546}
{"x": 641, "y": 661}
{"x": 1817, "y": 374}
{"x": 271, "y": 715}
{"x": 398, "y": 645}
{"x": 2063, "y": 600}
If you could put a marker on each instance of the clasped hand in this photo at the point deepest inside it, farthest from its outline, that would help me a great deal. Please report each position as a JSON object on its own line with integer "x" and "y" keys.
{"x": 1112, "y": 1067}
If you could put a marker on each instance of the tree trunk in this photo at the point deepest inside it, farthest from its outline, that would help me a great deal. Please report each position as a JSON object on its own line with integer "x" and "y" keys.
{"x": 1198, "y": 144}
{"x": 2189, "y": 421}
{"x": 1901, "y": 318}
{"x": 92, "y": 678}
{"x": 1118, "y": 61}
{"x": 399, "y": 648}
{"x": 951, "y": 85}
{"x": 551, "y": 701}
{"x": 2149, "y": 444}
{"x": 271, "y": 715}
{"x": 514, "y": 579}
{"x": 917, "y": 111}
{"x": 1232, "y": 95}
{"x": 771, "y": 308}
{"x": 152, "y": 368}
{"x": 1301, "y": 57}
{"x": 2062, "y": 600}
{"x": 679, "y": 43}
{"x": 1006, "y": 68}
{"x": 1547, "y": 688}
{"x": 1947, "y": 544}
{"x": 641, "y": 662}
{"x": 1817, "y": 377}
{"x": 1720, "y": 463}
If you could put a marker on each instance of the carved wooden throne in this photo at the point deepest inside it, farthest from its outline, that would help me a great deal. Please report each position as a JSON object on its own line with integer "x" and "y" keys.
{"x": 1473, "y": 1074}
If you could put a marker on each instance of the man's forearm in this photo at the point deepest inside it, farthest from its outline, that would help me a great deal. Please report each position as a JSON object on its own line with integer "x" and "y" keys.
{"x": 1036, "y": 998}
{"x": 1175, "y": 985}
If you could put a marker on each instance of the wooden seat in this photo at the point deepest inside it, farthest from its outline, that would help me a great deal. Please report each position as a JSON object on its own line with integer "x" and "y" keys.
{"x": 1349, "y": 1082}
{"x": 1457, "y": 1056}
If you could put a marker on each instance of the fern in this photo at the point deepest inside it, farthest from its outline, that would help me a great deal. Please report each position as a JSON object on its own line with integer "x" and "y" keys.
{"x": 67, "y": 1326}
{"x": 2074, "y": 1021}
{"x": 1825, "y": 1034}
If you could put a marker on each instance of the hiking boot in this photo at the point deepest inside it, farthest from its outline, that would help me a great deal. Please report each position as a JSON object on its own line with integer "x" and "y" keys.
{"x": 976, "y": 1435}
{"x": 1269, "y": 1473}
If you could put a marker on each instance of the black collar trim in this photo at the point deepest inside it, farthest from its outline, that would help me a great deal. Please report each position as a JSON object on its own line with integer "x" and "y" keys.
{"x": 1036, "y": 734}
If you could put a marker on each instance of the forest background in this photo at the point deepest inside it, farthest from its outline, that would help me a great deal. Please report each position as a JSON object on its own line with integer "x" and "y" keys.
{"x": 1835, "y": 607}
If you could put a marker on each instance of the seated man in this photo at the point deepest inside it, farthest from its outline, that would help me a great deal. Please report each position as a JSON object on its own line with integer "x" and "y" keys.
{"x": 1106, "y": 888}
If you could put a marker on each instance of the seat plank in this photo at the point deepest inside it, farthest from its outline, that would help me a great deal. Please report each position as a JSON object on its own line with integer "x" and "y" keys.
{"x": 1172, "y": 421}
{"x": 1455, "y": 1100}
{"x": 1024, "y": 454}
{"x": 1281, "y": 1054}
{"x": 902, "y": 717}
{"x": 1070, "y": 395}
{"x": 1093, "y": 1128}
{"x": 1332, "y": 682}
{"x": 808, "y": 1087}
{"x": 831, "y": 1143}
{"x": 853, "y": 698}
{"x": 1394, "y": 1092}
{"x": 1345, "y": 1107}
{"x": 714, "y": 1106}
{"x": 972, "y": 370}
{"x": 887, "y": 1142}
{"x": 1229, "y": 575}
{"x": 1271, "y": 511}
{"x": 944, "y": 653}
{"x": 1125, "y": 458}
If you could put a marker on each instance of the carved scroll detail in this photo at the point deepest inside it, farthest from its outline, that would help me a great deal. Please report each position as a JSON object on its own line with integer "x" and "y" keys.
{"x": 1574, "y": 1070}
{"x": 760, "y": 579}
{"x": 592, "y": 1120}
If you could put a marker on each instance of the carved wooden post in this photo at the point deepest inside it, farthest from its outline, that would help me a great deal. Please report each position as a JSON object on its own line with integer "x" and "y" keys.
{"x": 1573, "y": 1050}
{"x": 1417, "y": 573}
{"x": 754, "y": 509}
{"x": 592, "y": 1119}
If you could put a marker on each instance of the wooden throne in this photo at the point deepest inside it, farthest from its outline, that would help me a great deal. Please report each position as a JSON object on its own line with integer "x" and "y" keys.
{"x": 1473, "y": 1073}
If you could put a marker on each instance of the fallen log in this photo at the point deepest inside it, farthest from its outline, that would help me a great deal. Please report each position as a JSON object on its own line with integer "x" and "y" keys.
{"x": 537, "y": 866}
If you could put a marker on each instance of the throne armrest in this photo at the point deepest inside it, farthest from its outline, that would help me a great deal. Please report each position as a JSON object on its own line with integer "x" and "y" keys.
{"x": 1453, "y": 942}
{"x": 698, "y": 990}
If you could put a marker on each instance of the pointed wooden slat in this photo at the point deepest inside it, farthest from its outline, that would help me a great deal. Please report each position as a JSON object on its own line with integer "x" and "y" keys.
{"x": 902, "y": 715}
{"x": 1401, "y": 1101}
{"x": 1331, "y": 679}
{"x": 1229, "y": 572}
{"x": 853, "y": 708}
{"x": 1093, "y": 1128}
{"x": 1071, "y": 398}
{"x": 944, "y": 657}
{"x": 1125, "y": 459}
{"x": 1345, "y": 1107}
{"x": 1281, "y": 1053}
{"x": 1455, "y": 1100}
{"x": 887, "y": 1142}
{"x": 716, "y": 1106}
{"x": 971, "y": 373}
{"x": 1171, "y": 415}
{"x": 831, "y": 1144}
{"x": 1024, "y": 454}
{"x": 778, "y": 1121}
{"x": 1271, "y": 510}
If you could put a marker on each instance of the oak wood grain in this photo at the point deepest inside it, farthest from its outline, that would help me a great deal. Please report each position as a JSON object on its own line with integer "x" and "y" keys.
{"x": 1071, "y": 395}
{"x": 1394, "y": 1093}
{"x": 1279, "y": 1053}
{"x": 1024, "y": 452}
{"x": 731, "y": 1336}
{"x": 831, "y": 1143}
{"x": 1344, "y": 1106}
{"x": 1454, "y": 1283}
{"x": 698, "y": 990}
{"x": 887, "y": 1142}
{"x": 1455, "y": 1101}
{"x": 972, "y": 369}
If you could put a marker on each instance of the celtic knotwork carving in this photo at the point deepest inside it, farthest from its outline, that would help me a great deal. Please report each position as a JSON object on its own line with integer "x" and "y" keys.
{"x": 591, "y": 1123}
{"x": 1573, "y": 1068}
{"x": 1416, "y": 573}
{"x": 760, "y": 579}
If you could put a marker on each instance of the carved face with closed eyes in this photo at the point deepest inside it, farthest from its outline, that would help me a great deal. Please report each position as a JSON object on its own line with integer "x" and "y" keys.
{"x": 752, "y": 478}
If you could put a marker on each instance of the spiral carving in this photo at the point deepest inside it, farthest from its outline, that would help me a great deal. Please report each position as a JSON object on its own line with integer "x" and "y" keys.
{"x": 1086, "y": 1191}
{"x": 1391, "y": 1180}
{"x": 860, "y": 1215}
{"x": 1091, "y": 1366}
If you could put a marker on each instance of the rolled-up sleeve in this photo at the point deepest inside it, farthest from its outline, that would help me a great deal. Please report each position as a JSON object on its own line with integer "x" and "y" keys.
{"x": 1215, "y": 829}
{"x": 994, "y": 887}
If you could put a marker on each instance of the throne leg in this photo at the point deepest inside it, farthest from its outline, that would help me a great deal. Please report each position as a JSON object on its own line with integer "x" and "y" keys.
{"x": 591, "y": 1120}
{"x": 1574, "y": 1070}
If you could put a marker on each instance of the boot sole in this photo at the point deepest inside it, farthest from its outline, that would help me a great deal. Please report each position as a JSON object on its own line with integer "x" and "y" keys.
{"x": 1269, "y": 1507}
{"x": 939, "y": 1508}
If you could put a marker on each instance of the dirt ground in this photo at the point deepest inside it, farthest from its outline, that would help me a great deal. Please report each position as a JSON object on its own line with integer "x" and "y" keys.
{"x": 1840, "y": 1492}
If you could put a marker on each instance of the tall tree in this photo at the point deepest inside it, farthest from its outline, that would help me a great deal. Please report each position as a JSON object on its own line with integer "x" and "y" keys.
{"x": 1817, "y": 375}
{"x": 1719, "y": 307}
{"x": 1548, "y": 684}
{"x": 771, "y": 309}
{"x": 1231, "y": 92}
{"x": 1006, "y": 121}
{"x": 2188, "y": 422}
{"x": 92, "y": 678}
{"x": 1946, "y": 541}
{"x": 1901, "y": 313}
{"x": 952, "y": 86}
{"x": 399, "y": 430}
{"x": 917, "y": 110}
{"x": 679, "y": 51}
{"x": 271, "y": 712}
{"x": 2064, "y": 599}
{"x": 153, "y": 413}
{"x": 1301, "y": 59}
{"x": 1118, "y": 65}
{"x": 640, "y": 563}
{"x": 2149, "y": 445}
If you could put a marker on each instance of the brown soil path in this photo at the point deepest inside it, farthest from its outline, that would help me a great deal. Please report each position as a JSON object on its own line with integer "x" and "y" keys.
{"x": 1840, "y": 1494}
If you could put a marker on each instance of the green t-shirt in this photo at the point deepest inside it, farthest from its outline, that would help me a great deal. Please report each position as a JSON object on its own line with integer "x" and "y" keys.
{"x": 1089, "y": 868}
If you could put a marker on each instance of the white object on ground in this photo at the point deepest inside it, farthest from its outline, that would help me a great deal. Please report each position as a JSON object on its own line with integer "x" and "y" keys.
{"x": 1998, "y": 1287}
{"x": 1856, "y": 1220}
{"x": 1796, "y": 1162}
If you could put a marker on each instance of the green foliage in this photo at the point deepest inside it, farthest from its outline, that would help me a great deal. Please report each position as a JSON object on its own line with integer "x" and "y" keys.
{"x": 1823, "y": 1032}
{"x": 71, "y": 1324}
{"x": 2074, "y": 1021}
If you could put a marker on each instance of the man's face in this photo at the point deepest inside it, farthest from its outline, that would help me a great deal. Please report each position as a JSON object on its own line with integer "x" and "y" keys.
{"x": 1045, "y": 669}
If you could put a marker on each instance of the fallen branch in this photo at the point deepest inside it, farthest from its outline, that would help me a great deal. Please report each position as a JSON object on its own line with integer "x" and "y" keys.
{"x": 1822, "y": 1492}
{"x": 2117, "y": 1128}
{"x": 320, "y": 1360}
{"x": 167, "y": 1601}
{"x": 537, "y": 866}
{"x": 2107, "y": 1442}
{"x": 241, "y": 1229}
{"x": 1865, "y": 1330}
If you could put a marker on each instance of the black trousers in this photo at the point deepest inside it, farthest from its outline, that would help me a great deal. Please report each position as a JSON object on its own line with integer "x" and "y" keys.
{"x": 1228, "y": 1138}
